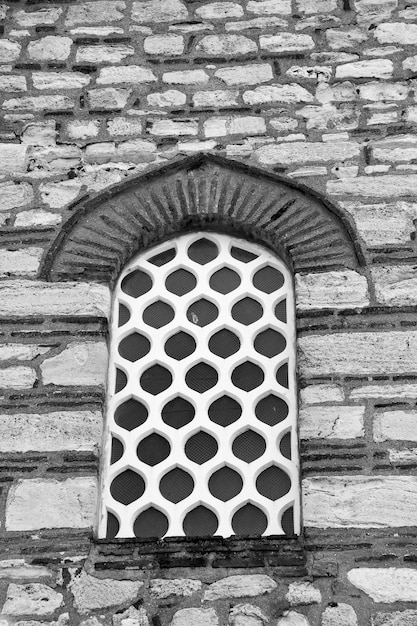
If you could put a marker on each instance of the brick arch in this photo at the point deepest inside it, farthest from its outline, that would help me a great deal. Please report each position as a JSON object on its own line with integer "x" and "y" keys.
{"x": 202, "y": 191}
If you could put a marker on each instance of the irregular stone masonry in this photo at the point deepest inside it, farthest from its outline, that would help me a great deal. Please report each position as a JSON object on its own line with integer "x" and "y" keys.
{"x": 95, "y": 93}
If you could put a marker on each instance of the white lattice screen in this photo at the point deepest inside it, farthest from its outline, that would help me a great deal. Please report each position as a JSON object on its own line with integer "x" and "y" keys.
{"x": 201, "y": 418}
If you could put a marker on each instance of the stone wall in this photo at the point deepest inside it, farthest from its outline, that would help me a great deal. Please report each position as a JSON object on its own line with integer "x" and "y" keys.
{"x": 319, "y": 91}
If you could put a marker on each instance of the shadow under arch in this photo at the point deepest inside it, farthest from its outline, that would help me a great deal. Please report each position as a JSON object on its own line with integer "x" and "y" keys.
{"x": 204, "y": 191}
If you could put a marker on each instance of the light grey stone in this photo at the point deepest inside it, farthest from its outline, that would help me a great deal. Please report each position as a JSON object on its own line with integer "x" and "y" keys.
{"x": 360, "y": 502}
{"x": 20, "y": 569}
{"x": 217, "y": 98}
{"x": 395, "y": 285}
{"x": 316, "y": 6}
{"x": 221, "y": 126}
{"x": 305, "y": 152}
{"x": 383, "y": 92}
{"x": 32, "y": 599}
{"x": 60, "y": 80}
{"x": 358, "y": 353}
{"x": 17, "y": 377}
{"x": 9, "y": 51}
{"x": 185, "y": 77}
{"x": 410, "y": 63}
{"x": 219, "y": 11}
{"x": 10, "y": 84}
{"x": 37, "y": 217}
{"x": 81, "y": 363}
{"x": 374, "y": 11}
{"x": 303, "y": 592}
{"x": 50, "y": 48}
{"x": 159, "y": 11}
{"x": 23, "y": 262}
{"x": 333, "y": 290}
{"x": 395, "y": 426}
{"x": 95, "y": 12}
{"x": 240, "y": 586}
{"x": 269, "y": 7}
{"x": 332, "y": 422}
{"x": 340, "y": 615}
{"x": 247, "y": 615}
{"x": 127, "y": 74}
{"x": 385, "y": 390}
{"x": 39, "y": 103}
{"x": 163, "y": 588}
{"x": 108, "y": 98}
{"x": 321, "y": 393}
{"x": 386, "y": 584}
{"x": 339, "y": 39}
{"x": 397, "y": 149}
{"x": 37, "y": 503}
{"x": 97, "y": 593}
{"x": 228, "y": 45}
{"x": 58, "y": 194}
{"x": 375, "y": 68}
{"x": 396, "y": 618}
{"x": 289, "y": 94}
{"x": 13, "y": 158}
{"x": 174, "y": 128}
{"x": 257, "y": 23}
{"x": 396, "y": 32}
{"x": 245, "y": 74}
{"x": 21, "y": 351}
{"x": 191, "y": 617}
{"x": 103, "y": 53}
{"x": 315, "y": 72}
{"x": 383, "y": 223}
{"x": 388, "y": 185}
{"x": 164, "y": 44}
{"x": 69, "y": 430}
{"x": 120, "y": 126}
{"x": 39, "y": 133}
{"x": 131, "y": 617}
{"x": 14, "y": 195}
{"x": 286, "y": 42}
{"x": 82, "y": 129}
{"x": 45, "y": 16}
{"x": 292, "y": 618}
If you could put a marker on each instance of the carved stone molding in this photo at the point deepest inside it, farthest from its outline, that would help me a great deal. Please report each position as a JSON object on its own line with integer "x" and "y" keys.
{"x": 201, "y": 192}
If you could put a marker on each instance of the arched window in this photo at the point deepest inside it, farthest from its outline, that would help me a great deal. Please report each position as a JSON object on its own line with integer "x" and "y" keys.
{"x": 201, "y": 432}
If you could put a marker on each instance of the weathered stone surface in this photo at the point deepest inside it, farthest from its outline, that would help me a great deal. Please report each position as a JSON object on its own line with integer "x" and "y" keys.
{"x": 286, "y": 42}
{"x": 292, "y": 618}
{"x": 95, "y": 12}
{"x": 120, "y": 126}
{"x": 386, "y": 584}
{"x": 269, "y": 7}
{"x": 13, "y": 158}
{"x": 10, "y": 84}
{"x": 395, "y": 285}
{"x": 37, "y": 503}
{"x": 9, "y": 51}
{"x": 382, "y": 223}
{"x": 257, "y": 23}
{"x": 21, "y": 351}
{"x": 374, "y": 186}
{"x": 305, "y": 152}
{"x": 332, "y": 422}
{"x": 50, "y": 48}
{"x": 340, "y": 615}
{"x": 163, "y": 588}
{"x": 39, "y": 103}
{"x": 173, "y": 128}
{"x": 37, "y": 217}
{"x": 164, "y": 44}
{"x": 397, "y": 618}
{"x": 34, "y": 298}
{"x": 360, "y": 501}
{"x": 315, "y": 72}
{"x": 375, "y": 68}
{"x": 17, "y": 378}
{"x": 69, "y": 430}
{"x": 331, "y": 290}
{"x": 20, "y": 569}
{"x": 395, "y": 149}
{"x": 396, "y": 32}
{"x": 386, "y": 390}
{"x": 383, "y": 92}
{"x": 218, "y": 98}
{"x": 23, "y": 262}
{"x": 32, "y": 599}
{"x": 83, "y": 363}
{"x": 227, "y": 45}
{"x": 39, "y": 133}
{"x": 319, "y": 394}
{"x": 245, "y": 74}
{"x": 373, "y": 11}
{"x": 185, "y": 77}
{"x": 58, "y": 194}
{"x": 219, "y": 11}
{"x": 159, "y": 11}
{"x": 240, "y": 586}
{"x": 111, "y": 53}
{"x": 60, "y": 80}
{"x": 358, "y": 353}
{"x": 191, "y": 617}
{"x": 45, "y": 16}
{"x": 246, "y": 615}
{"x": 127, "y": 74}
{"x": 130, "y": 617}
{"x": 410, "y": 63}
{"x": 277, "y": 93}
{"x": 395, "y": 425}
{"x": 341, "y": 39}
{"x": 303, "y": 593}
{"x": 316, "y": 6}
{"x": 108, "y": 98}
{"x": 97, "y": 593}
{"x": 220, "y": 126}
{"x": 14, "y": 195}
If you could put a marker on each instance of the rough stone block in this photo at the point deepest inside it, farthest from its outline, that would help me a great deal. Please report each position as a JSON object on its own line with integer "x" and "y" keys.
{"x": 83, "y": 363}
{"x": 374, "y": 186}
{"x": 185, "y": 77}
{"x": 24, "y": 298}
{"x": 107, "y": 11}
{"x": 226, "y": 45}
{"x": 385, "y": 390}
{"x": 108, "y": 98}
{"x": 240, "y": 586}
{"x": 50, "y": 48}
{"x": 191, "y": 617}
{"x": 39, "y": 133}
{"x": 291, "y": 93}
{"x": 31, "y": 599}
{"x": 60, "y": 80}
{"x": 246, "y": 615}
{"x": 45, "y": 17}
{"x": 410, "y": 63}
{"x": 21, "y": 351}
{"x": 384, "y": 223}
{"x": 386, "y": 584}
{"x": 120, "y": 126}
{"x": 130, "y": 617}
{"x": 17, "y": 377}
{"x": 37, "y": 217}
{"x": 303, "y": 593}
{"x": 374, "y": 11}
{"x": 383, "y": 92}
{"x": 395, "y": 285}
{"x": 219, "y": 11}
{"x": 13, "y": 158}
{"x": 170, "y": 128}
{"x": 98, "y": 593}
{"x": 340, "y": 615}
{"x": 219, "y": 98}
{"x": 11, "y": 84}
{"x": 396, "y": 32}
{"x": 339, "y": 39}
{"x": 245, "y": 74}
{"x": 65, "y": 430}
{"x": 164, "y": 44}
{"x": 185, "y": 587}
{"x": 286, "y": 42}
{"x": 111, "y": 53}
{"x": 58, "y": 194}
{"x": 309, "y": 7}
{"x": 14, "y": 195}
{"x": 319, "y": 394}
{"x": 159, "y": 11}
{"x": 332, "y": 422}
{"x": 292, "y": 618}
{"x": 20, "y": 569}
{"x": 257, "y": 23}
{"x": 37, "y": 503}
{"x": 395, "y": 425}
{"x": 360, "y": 501}
{"x": 220, "y": 126}
{"x": 307, "y": 152}
{"x": 397, "y": 618}
{"x": 269, "y": 7}
{"x": 128, "y": 74}
{"x": 9, "y": 51}
{"x": 374, "y": 68}
{"x": 39, "y": 103}
{"x": 359, "y": 353}
{"x": 23, "y": 262}
{"x": 331, "y": 290}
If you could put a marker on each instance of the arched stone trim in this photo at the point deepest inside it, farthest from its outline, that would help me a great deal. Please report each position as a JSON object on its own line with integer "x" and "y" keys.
{"x": 202, "y": 191}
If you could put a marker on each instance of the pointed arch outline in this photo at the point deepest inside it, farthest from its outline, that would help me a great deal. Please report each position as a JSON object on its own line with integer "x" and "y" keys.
{"x": 204, "y": 191}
